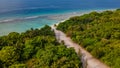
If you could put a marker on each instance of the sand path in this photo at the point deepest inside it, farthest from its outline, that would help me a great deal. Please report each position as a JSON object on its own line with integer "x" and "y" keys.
{"x": 87, "y": 59}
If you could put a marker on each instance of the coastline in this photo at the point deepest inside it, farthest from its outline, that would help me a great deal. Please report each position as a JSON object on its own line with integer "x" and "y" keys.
{"x": 21, "y": 25}
{"x": 77, "y": 14}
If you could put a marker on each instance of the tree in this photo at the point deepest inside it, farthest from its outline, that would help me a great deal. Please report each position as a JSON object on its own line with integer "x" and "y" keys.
{"x": 9, "y": 55}
{"x": 18, "y": 66}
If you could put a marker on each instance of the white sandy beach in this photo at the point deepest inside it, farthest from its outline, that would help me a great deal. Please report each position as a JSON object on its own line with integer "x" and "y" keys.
{"x": 64, "y": 17}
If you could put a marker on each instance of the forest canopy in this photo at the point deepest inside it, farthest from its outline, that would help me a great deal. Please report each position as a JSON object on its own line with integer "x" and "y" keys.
{"x": 98, "y": 33}
{"x": 36, "y": 48}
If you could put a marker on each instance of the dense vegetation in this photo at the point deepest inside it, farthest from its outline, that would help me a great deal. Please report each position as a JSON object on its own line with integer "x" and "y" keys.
{"x": 36, "y": 48}
{"x": 99, "y": 33}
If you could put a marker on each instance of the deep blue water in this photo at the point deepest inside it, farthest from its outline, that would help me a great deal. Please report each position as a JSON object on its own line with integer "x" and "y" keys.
{"x": 58, "y": 4}
{"x": 19, "y": 10}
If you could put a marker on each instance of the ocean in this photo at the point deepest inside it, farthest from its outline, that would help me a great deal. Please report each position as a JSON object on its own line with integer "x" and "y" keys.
{"x": 21, "y": 15}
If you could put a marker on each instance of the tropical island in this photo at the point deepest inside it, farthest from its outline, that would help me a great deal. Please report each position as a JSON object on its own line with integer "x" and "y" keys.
{"x": 36, "y": 48}
{"x": 97, "y": 32}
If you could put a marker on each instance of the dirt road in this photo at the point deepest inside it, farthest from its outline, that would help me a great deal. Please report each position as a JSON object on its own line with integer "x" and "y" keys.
{"x": 87, "y": 59}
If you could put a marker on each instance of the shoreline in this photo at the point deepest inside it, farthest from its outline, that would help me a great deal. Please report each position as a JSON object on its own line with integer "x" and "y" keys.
{"x": 59, "y": 18}
{"x": 80, "y": 14}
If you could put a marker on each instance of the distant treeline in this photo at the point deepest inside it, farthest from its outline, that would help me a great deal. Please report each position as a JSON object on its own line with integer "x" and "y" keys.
{"x": 36, "y": 48}
{"x": 99, "y": 33}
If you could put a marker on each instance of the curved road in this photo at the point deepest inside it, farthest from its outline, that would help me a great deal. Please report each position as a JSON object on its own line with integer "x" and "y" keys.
{"x": 87, "y": 59}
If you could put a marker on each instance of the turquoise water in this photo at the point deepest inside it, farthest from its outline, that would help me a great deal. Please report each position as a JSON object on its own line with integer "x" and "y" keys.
{"x": 6, "y": 28}
{"x": 34, "y": 20}
{"x": 21, "y": 15}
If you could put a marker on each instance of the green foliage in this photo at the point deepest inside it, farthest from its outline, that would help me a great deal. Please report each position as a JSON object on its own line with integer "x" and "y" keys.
{"x": 99, "y": 33}
{"x": 18, "y": 66}
{"x": 57, "y": 57}
{"x": 9, "y": 55}
{"x": 36, "y": 48}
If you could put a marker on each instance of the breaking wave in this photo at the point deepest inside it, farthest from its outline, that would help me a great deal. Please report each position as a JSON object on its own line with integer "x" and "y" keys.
{"x": 21, "y": 19}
